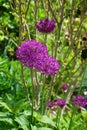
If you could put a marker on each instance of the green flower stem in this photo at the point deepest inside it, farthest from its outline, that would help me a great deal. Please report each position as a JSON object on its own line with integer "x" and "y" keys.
{"x": 21, "y": 28}
{"x": 24, "y": 84}
{"x": 45, "y": 39}
{"x": 32, "y": 74}
{"x": 42, "y": 95}
{"x": 44, "y": 79}
{"x": 84, "y": 72}
{"x": 71, "y": 119}
{"x": 58, "y": 119}
{"x": 37, "y": 89}
{"x": 49, "y": 94}
{"x": 36, "y": 78}
{"x": 35, "y": 15}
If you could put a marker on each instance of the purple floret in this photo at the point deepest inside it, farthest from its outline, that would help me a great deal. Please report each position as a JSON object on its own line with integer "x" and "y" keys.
{"x": 49, "y": 66}
{"x": 34, "y": 54}
{"x": 80, "y": 101}
{"x": 51, "y": 104}
{"x": 46, "y": 26}
{"x": 86, "y": 34}
{"x": 60, "y": 102}
{"x": 30, "y": 52}
{"x": 64, "y": 86}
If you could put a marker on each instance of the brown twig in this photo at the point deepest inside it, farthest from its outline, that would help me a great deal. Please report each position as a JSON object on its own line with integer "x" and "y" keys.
{"x": 60, "y": 25}
{"x": 26, "y": 12}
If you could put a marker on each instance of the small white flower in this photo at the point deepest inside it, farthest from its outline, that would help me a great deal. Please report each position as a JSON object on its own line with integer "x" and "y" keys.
{"x": 85, "y": 92}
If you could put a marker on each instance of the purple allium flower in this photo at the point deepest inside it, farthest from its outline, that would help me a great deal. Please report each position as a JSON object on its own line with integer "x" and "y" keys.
{"x": 34, "y": 54}
{"x": 51, "y": 104}
{"x": 30, "y": 52}
{"x": 64, "y": 86}
{"x": 49, "y": 66}
{"x": 80, "y": 101}
{"x": 60, "y": 102}
{"x": 45, "y": 26}
{"x": 86, "y": 34}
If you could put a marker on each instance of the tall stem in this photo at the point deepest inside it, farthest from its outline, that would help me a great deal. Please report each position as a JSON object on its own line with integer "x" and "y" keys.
{"x": 49, "y": 93}
{"x": 60, "y": 26}
{"x": 35, "y": 15}
{"x": 20, "y": 40}
{"x": 58, "y": 118}
{"x": 32, "y": 95}
{"x": 84, "y": 73}
{"x": 24, "y": 84}
{"x": 71, "y": 119}
{"x": 42, "y": 95}
{"x": 21, "y": 21}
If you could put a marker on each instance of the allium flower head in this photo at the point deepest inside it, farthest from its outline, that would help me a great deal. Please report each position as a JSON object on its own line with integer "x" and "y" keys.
{"x": 51, "y": 104}
{"x": 34, "y": 54}
{"x": 86, "y": 34}
{"x": 80, "y": 101}
{"x": 64, "y": 86}
{"x": 30, "y": 52}
{"x": 49, "y": 65}
{"x": 45, "y": 26}
{"x": 60, "y": 102}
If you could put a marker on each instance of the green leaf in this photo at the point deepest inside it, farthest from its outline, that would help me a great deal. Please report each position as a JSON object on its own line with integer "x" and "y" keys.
{"x": 84, "y": 114}
{"x": 1, "y": 63}
{"x": 45, "y": 119}
{"x": 5, "y": 106}
{"x": 3, "y": 114}
{"x": 23, "y": 122}
{"x": 21, "y": 104}
{"x": 14, "y": 129}
{"x": 27, "y": 113}
{"x": 33, "y": 127}
{"x": 44, "y": 128}
{"x": 8, "y": 120}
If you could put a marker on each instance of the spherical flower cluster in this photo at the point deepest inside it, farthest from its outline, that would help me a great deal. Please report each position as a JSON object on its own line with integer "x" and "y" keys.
{"x": 64, "y": 86}
{"x": 34, "y": 54}
{"x": 31, "y": 51}
{"x": 59, "y": 102}
{"x": 51, "y": 104}
{"x": 45, "y": 26}
{"x": 86, "y": 34}
{"x": 79, "y": 101}
{"x": 48, "y": 65}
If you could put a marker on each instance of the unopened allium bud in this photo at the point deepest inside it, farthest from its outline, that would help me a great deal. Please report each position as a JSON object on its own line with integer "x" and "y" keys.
{"x": 64, "y": 86}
